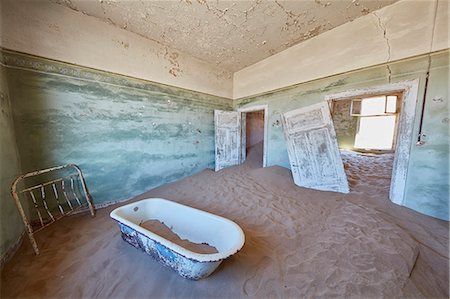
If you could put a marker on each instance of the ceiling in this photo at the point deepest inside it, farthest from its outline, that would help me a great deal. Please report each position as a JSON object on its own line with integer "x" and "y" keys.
{"x": 228, "y": 34}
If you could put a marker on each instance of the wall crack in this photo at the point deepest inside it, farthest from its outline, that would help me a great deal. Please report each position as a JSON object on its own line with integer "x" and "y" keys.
{"x": 383, "y": 28}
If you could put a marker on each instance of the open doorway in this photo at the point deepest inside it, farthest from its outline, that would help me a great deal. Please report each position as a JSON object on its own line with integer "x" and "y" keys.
{"x": 254, "y": 135}
{"x": 230, "y": 132}
{"x": 366, "y": 130}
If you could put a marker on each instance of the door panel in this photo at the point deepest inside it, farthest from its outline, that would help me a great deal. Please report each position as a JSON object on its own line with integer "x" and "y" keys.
{"x": 243, "y": 137}
{"x": 227, "y": 138}
{"x": 313, "y": 151}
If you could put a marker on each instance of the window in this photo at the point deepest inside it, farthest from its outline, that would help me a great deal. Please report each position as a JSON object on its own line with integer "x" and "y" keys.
{"x": 377, "y": 120}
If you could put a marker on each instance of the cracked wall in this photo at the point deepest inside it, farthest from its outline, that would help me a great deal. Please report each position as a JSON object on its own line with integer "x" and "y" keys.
{"x": 53, "y": 31}
{"x": 401, "y": 30}
{"x": 427, "y": 189}
{"x": 127, "y": 135}
{"x": 228, "y": 34}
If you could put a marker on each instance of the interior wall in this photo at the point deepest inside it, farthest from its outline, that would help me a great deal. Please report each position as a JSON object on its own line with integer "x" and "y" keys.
{"x": 11, "y": 226}
{"x": 345, "y": 125}
{"x": 53, "y": 31}
{"x": 127, "y": 135}
{"x": 401, "y": 30}
{"x": 427, "y": 189}
{"x": 254, "y": 127}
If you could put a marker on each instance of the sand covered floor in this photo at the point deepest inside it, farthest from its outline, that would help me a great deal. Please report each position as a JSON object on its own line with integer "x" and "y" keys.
{"x": 299, "y": 242}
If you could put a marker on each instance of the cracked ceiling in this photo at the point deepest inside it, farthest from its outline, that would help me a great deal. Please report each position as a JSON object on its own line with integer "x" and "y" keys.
{"x": 228, "y": 34}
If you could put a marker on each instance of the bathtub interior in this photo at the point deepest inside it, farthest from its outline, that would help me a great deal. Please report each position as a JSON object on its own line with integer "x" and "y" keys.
{"x": 188, "y": 223}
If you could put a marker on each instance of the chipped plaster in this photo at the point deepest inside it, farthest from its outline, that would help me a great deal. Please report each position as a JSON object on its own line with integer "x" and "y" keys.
{"x": 57, "y": 32}
{"x": 401, "y": 30}
{"x": 228, "y": 34}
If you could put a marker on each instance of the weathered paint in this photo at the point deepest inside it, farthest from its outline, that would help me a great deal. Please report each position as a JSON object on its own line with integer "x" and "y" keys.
{"x": 313, "y": 150}
{"x": 405, "y": 138}
{"x": 402, "y": 30}
{"x": 427, "y": 188}
{"x": 227, "y": 138}
{"x": 187, "y": 268}
{"x": 49, "y": 30}
{"x": 11, "y": 227}
{"x": 224, "y": 33}
{"x": 127, "y": 135}
{"x": 187, "y": 223}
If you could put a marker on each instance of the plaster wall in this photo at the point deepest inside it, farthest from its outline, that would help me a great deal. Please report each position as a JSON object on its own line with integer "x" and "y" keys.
{"x": 345, "y": 125}
{"x": 127, "y": 135}
{"x": 427, "y": 189}
{"x": 401, "y": 30}
{"x": 11, "y": 226}
{"x": 49, "y": 30}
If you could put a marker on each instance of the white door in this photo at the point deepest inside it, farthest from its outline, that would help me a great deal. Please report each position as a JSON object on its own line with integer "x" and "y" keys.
{"x": 243, "y": 137}
{"x": 313, "y": 150}
{"x": 228, "y": 138}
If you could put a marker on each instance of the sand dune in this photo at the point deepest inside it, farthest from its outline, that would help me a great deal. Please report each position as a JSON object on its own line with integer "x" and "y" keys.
{"x": 299, "y": 242}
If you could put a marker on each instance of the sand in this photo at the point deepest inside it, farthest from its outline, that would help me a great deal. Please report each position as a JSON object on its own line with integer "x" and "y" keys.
{"x": 162, "y": 230}
{"x": 299, "y": 243}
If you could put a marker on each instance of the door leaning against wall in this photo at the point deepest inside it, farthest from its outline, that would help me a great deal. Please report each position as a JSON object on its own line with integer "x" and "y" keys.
{"x": 313, "y": 150}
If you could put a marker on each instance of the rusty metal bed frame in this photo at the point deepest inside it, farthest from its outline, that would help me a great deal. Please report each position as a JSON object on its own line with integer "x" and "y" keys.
{"x": 66, "y": 200}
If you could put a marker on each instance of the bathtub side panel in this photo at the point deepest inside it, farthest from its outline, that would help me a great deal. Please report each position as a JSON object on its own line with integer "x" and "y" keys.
{"x": 184, "y": 266}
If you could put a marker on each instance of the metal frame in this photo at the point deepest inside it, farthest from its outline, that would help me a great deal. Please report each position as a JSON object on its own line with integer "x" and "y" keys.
{"x": 72, "y": 207}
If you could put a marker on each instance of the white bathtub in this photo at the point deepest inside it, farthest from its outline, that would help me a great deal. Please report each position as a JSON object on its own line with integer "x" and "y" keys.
{"x": 188, "y": 223}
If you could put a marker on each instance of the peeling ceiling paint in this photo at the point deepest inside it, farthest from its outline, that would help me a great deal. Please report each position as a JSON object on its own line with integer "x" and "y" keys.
{"x": 228, "y": 34}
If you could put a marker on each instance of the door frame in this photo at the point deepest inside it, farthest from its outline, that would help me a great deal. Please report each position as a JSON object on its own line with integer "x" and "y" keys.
{"x": 255, "y": 108}
{"x": 405, "y": 136}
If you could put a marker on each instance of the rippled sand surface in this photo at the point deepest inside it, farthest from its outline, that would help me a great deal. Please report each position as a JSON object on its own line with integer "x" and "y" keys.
{"x": 299, "y": 242}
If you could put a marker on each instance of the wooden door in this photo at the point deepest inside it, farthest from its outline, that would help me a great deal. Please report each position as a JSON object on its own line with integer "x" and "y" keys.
{"x": 227, "y": 138}
{"x": 243, "y": 137}
{"x": 313, "y": 150}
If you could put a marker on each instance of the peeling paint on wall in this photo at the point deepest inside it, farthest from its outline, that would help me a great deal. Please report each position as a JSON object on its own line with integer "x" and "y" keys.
{"x": 127, "y": 135}
{"x": 228, "y": 34}
{"x": 46, "y": 29}
{"x": 402, "y": 30}
{"x": 427, "y": 189}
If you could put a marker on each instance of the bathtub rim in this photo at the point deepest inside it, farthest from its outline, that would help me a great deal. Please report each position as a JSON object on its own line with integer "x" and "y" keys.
{"x": 199, "y": 257}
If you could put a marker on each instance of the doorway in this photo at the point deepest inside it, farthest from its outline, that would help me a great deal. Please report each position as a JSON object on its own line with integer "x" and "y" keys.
{"x": 366, "y": 130}
{"x": 254, "y": 136}
{"x": 406, "y": 93}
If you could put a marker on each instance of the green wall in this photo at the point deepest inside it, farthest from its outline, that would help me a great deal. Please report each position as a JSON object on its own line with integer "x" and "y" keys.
{"x": 428, "y": 173}
{"x": 130, "y": 135}
{"x": 11, "y": 226}
{"x": 127, "y": 135}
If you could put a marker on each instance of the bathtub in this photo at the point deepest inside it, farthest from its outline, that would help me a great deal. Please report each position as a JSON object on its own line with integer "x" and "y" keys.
{"x": 188, "y": 223}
